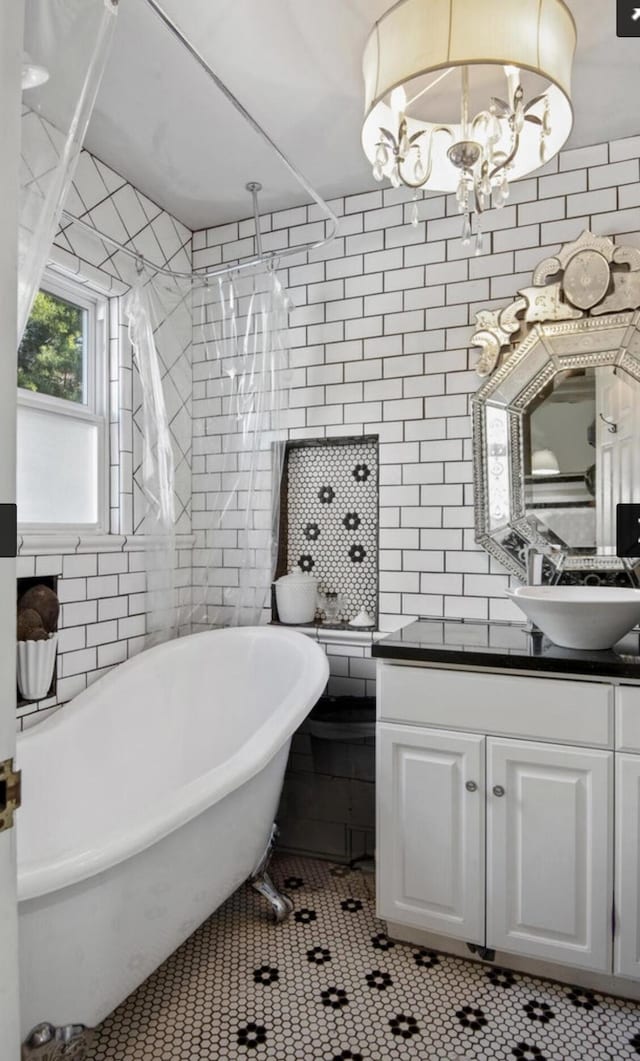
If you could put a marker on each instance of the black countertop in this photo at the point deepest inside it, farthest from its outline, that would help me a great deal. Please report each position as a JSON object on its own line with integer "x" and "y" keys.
{"x": 504, "y": 646}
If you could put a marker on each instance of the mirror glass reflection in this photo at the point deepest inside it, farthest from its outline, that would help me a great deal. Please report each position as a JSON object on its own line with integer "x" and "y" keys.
{"x": 582, "y": 455}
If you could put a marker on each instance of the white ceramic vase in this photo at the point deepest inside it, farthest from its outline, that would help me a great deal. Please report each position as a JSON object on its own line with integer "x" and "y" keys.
{"x": 36, "y": 660}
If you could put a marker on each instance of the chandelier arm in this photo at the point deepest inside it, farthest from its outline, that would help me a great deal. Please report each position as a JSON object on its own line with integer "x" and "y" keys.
{"x": 509, "y": 159}
{"x": 416, "y": 185}
{"x": 400, "y": 162}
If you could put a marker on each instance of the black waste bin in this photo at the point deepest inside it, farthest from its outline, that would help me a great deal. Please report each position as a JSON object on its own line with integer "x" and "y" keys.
{"x": 342, "y": 730}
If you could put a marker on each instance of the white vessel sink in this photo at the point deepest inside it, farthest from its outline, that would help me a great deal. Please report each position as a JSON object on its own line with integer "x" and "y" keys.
{"x": 582, "y": 617}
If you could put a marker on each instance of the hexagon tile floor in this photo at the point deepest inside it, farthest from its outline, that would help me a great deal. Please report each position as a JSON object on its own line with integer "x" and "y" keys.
{"x": 329, "y": 985}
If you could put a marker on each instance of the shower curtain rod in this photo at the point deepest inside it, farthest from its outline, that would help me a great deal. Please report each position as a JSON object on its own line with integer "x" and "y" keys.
{"x": 262, "y": 257}
{"x": 265, "y": 257}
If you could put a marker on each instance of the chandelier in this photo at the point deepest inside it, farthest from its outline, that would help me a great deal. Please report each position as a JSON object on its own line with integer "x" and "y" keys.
{"x": 513, "y": 114}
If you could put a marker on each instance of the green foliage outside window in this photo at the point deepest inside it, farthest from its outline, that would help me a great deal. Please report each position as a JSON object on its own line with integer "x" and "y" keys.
{"x": 51, "y": 354}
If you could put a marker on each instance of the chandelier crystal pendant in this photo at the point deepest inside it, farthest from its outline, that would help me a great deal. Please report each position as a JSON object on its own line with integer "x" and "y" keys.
{"x": 510, "y": 114}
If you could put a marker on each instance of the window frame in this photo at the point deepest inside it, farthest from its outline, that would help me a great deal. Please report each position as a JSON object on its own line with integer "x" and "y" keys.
{"x": 94, "y": 408}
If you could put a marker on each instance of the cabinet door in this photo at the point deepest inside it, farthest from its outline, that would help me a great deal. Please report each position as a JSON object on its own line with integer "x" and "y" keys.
{"x": 627, "y": 929}
{"x": 430, "y": 842}
{"x": 550, "y": 852}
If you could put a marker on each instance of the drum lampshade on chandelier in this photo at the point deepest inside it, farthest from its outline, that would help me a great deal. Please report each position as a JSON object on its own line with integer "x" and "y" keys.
{"x": 509, "y": 63}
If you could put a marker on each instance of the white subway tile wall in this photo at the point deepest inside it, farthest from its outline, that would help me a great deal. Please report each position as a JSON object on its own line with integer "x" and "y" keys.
{"x": 101, "y": 581}
{"x": 380, "y": 345}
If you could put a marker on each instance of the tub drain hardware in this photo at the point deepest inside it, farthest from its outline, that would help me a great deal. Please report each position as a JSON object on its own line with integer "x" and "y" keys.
{"x": 47, "y": 1043}
{"x": 10, "y": 794}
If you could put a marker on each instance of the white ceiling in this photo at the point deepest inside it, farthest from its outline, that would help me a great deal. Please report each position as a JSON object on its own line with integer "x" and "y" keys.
{"x": 295, "y": 64}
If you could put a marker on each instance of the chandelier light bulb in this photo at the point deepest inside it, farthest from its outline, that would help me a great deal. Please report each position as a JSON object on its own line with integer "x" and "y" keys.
{"x": 398, "y": 100}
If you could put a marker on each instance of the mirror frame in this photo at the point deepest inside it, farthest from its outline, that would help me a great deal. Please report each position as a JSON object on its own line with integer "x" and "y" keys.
{"x": 581, "y": 312}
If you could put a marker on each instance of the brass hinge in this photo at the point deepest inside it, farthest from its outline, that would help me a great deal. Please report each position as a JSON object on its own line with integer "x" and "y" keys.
{"x": 10, "y": 793}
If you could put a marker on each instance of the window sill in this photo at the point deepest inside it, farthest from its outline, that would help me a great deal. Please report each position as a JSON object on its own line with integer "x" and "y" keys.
{"x": 54, "y": 543}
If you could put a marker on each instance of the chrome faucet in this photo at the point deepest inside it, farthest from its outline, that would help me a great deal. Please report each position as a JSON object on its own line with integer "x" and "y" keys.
{"x": 534, "y": 561}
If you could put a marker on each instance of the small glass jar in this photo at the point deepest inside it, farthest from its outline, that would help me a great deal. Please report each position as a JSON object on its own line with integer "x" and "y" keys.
{"x": 331, "y": 607}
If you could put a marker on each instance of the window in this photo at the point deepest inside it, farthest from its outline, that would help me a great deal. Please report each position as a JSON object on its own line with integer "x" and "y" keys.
{"x": 62, "y": 451}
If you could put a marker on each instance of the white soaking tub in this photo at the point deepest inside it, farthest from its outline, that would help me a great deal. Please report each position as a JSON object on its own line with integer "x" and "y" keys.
{"x": 146, "y": 802}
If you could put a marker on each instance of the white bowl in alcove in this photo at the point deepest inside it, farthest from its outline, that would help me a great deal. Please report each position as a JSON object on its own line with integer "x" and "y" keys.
{"x": 591, "y": 618}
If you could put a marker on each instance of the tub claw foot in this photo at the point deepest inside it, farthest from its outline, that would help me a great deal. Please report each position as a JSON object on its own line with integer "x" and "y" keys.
{"x": 281, "y": 904}
{"x": 48, "y": 1043}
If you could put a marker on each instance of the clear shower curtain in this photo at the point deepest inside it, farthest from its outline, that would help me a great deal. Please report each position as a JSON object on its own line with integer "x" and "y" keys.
{"x": 242, "y": 339}
{"x": 153, "y": 303}
{"x": 70, "y": 41}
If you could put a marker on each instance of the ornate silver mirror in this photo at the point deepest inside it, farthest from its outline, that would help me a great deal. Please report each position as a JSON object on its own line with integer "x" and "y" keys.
{"x": 557, "y": 421}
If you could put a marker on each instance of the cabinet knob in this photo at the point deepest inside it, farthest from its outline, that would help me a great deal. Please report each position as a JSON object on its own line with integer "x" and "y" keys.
{"x": 498, "y": 790}
{"x": 471, "y": 786}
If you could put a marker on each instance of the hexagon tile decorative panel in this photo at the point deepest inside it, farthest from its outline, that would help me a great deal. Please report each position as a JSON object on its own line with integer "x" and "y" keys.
{"x": 329, "y": 985}
{"x": 331, "y": 513}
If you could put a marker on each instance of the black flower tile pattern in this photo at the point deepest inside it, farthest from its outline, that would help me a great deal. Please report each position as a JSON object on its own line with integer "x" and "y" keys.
{"x": 351, "y": 905}
{"x": 319, "y": 955}
{"x": 332, "y": 513}
{"x": 426, "y": 959}
{"x": 333, "y": 987}
{"x": 582, "y": 999}
{"x": 378, "y": 980}
{"x": 361, "y": 473}
{"x": 304, "y": 916}
{"x": 336, "y": 997}
{"x": 351, "y": 521}
{"x": 382, "y": 942}
{"x": 471, "y": 1017}
{"x": 292, "y": 884}
{"x": 528, "y": 1052}
{"x": 266, "y": 975}
{"x": 326, "y": 495}
{"x": 539, "y": 1011}
{"x": 405, "y": 1027}
{"x": 252, "y": 1036}
{"x": 503, "y": 978}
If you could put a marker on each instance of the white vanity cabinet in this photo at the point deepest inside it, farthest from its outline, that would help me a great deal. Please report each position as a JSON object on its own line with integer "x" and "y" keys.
{"x": 496, "y": 821}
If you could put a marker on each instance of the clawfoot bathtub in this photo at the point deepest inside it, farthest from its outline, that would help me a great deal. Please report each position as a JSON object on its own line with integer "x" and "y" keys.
{"x": 146, "y": 802}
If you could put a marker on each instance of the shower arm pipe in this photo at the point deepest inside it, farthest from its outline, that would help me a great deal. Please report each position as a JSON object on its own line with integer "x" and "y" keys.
{"x": 253, "y": 187}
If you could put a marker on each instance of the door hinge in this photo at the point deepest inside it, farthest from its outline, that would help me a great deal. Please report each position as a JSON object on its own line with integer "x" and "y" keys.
{"x": 10, "y": 793}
